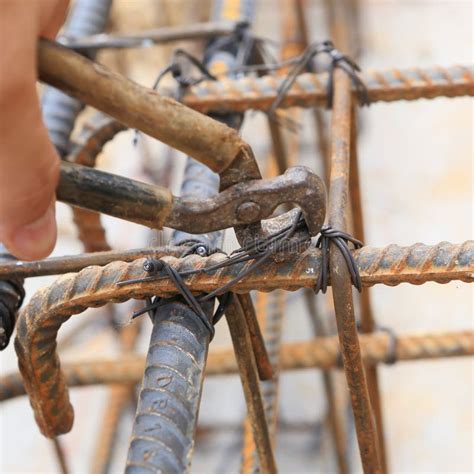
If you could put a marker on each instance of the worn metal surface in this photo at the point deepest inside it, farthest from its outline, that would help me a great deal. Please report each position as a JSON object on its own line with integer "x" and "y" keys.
{"x": 250, "y": 383}
{"x": 12, "y": 294}
{"x": 270, "y": 310}
{"x": 309, "y": 90}
{"x": 253, "y": 200}
{"x": 75, "y": 263}
{"x": 48, "y": 309}
{"x": 163, "y": 432}
{"x": 145, "y": 38}
{"x": 340, "y": 276}
{"x": 154, "y": 206}
{"x": 367, "y": 322}
{"x": 389, "y": 265}
{"x": 206, "y": 140}
{"x": 110, "y": 194}
{"x": 92, "y": 138}
{"x": 320, "y": 353}
{"x": 60, "y": 111}
{"x": 264, "y": 366}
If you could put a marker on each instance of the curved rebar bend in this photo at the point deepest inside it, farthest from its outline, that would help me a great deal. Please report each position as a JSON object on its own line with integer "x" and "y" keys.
{"x": 37, "y": 330}
{"x": 49, "y": 308}
{"x": 95, "y": 134}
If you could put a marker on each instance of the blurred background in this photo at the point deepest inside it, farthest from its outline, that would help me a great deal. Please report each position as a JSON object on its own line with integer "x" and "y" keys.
{"x": 416, "y": 169}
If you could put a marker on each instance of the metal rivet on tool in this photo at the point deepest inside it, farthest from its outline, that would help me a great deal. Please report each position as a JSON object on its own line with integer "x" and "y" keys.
{"x": 201, "y": 250}
{"x": 248, "y": 212}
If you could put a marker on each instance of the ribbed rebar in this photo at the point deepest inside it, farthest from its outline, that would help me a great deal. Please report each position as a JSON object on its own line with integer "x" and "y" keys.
{"x": 12, "y": 293}
{"x": 165, "y": 423}
{"x": 338, "y": 212}
{"x": 270, "y": 316}
{"x": 95, "y": 133}
{"x": 321, "y": 353}
{"x": 87, "y": 17}
{"x": 310, "y": 90}
{"x": 50, "y": 307}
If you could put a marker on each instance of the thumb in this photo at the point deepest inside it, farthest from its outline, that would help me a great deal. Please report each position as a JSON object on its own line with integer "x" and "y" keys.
{"x": 29, "y": 164}
{"x": 29, "y": 169}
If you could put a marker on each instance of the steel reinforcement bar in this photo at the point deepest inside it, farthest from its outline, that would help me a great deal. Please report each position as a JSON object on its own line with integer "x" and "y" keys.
{"x": 389, "y": 265}
{"x": 321, "y": 353}
{"x": 310, "y": 90}
{"x": 50, "y": 307}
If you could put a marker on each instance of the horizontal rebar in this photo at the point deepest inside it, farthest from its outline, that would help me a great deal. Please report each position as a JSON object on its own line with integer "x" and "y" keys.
{"x": 52, "y": 306}
{"x": 321, "y": 353}
{"x": 75, "y": 263}
{"x": 389, "y": 265}
{"x": 145, "y": 38}
{"x": 310, "y": 90}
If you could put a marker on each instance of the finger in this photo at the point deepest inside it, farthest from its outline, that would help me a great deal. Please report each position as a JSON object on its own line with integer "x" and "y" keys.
{"x": 29, "y": 165}
{"x": 51, "y": 17}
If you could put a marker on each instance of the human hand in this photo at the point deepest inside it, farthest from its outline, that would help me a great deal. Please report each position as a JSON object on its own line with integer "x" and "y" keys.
{"x": 29, "y": 164}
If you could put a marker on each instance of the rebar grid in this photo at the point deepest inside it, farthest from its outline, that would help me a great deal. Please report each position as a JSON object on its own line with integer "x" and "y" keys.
{"x": 340, "y": 277}
{"x": 95, "y": 134}
{"x": 310, "y": 90}
{"x": 319, "y": 353}
{"x": 49, "y": 308}
{"x": 392, "y": 265}
{"x": 367, "y": 321}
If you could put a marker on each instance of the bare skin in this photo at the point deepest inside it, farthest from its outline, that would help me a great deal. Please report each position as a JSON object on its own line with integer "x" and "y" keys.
{"x": 29, "y": 164}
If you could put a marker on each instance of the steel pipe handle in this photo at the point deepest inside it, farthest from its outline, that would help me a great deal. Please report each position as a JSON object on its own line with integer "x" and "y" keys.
{"x": 114, "y": 195}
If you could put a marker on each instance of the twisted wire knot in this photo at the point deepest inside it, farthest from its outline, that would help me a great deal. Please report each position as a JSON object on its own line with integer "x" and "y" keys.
{"x": 341, "y": 240}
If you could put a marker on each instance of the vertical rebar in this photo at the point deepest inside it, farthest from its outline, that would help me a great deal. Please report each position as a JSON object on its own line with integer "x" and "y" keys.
{"x": 87, "y": 17}
{"x": 367, "y": 322}
{"x": 340, "y": 277}
{"x": 250, "y": 382}
{"x": 296, "y": 39}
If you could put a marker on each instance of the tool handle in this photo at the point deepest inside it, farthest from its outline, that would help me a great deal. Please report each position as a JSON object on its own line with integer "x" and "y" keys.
{"x": 114, "y": 195}
{"x": 208, "y": 141}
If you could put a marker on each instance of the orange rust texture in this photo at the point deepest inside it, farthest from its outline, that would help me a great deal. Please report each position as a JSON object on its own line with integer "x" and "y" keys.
{"x": 171, "y": 122}
{"x": 251, "y": 386}
{"x": 92, "y": 139}
{"x": 320, "y": 353}
{"x": 367, "y": 321}
{"x": 309, "y": 90}
{"x": 340, "y": 277}
{"x": 50, "y": 307}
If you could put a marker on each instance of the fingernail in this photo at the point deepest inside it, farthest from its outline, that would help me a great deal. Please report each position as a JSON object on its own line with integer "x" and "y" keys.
{"x": 36, "y": 240}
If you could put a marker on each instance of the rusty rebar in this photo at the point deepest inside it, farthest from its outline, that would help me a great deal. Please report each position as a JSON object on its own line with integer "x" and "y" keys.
{"x": 99, "y": 130}
{"x": 319, "y": 353}
{"x": 335, "y": 418}
{"x": 50, "y": 307}
{"x": 270, "y": 310}
{"x": 75, "y": 263}
{"x": 250, "y": 383}
{"x": 309, "y": 90}
{"x": 341, "y": 280}
{"x": 146, "y": 38}
{"x": 264, "y": 366}
{"x": 390, "y": 265}
{"x": 367, "y": 322}
{"x": 203, "y": 138}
